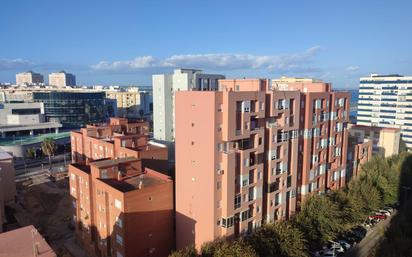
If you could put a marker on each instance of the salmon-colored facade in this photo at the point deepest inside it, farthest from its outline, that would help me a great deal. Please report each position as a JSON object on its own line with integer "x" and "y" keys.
{"x": 122, "y": 210}
{"x": 243, "y": 155}
{"x": 359, "y": 152}
{"x": 224, "y": 139}
{"x": 122, "y": 207}
{"x": 324, "y": 137}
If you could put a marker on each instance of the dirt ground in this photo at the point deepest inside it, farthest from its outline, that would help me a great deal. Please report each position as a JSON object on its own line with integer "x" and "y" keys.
{"x": 47, "y": 205}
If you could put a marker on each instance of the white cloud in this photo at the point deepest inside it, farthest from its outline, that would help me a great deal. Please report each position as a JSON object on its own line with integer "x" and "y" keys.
{"x": 219, "y": 61}
{"x": 6, "y": 64}
{"x": 352, "y": 68}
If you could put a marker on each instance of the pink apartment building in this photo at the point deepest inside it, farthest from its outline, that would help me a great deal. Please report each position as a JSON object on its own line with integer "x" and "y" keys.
{"x": 246, "y": 153}
{"x": 236, "y": 159}
{"x": 324, "y": 137}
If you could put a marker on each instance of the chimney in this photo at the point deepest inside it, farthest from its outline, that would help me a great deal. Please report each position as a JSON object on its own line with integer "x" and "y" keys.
{"x": 119, "y": 176}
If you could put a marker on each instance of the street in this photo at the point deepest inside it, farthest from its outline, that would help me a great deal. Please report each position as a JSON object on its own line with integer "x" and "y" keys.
{"x": 373, "y": 236}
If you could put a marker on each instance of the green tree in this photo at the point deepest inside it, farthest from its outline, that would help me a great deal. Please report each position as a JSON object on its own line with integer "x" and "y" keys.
{"x": 189, "y": 251}
{"x": 208, "y": 249}
{"x": 319, "y": 220}
{"x": 236, "y": 248}
{"x": 48, "y": 146}
{"x": 280, "y": 239}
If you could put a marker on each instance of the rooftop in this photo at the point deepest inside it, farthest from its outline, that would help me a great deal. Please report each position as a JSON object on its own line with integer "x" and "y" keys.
{"x": 28, "y": 140}
{"x": 373, "y": 128}
{"x": 134, "y": 183}
{"x": 112, "y": 162}
{"x": 22, "y": 242}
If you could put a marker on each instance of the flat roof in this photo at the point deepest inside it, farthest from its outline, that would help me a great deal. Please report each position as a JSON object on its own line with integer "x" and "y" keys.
{"x": 374, "y": 128}
{"x": 21, "y": 242}
{"x": 28, "y": 140}
{"x": 112, "y": 162}
{"x": 132, "y": 183}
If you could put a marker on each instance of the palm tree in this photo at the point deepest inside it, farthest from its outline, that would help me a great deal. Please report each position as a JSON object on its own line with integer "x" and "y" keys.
{"x": 31, "y": 152}
{"x": 48, "y": 147}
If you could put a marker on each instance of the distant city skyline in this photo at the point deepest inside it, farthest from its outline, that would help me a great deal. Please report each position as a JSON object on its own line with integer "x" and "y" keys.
{"x": 108, "y": 43}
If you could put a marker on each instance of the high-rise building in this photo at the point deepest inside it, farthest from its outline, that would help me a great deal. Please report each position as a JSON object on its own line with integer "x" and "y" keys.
{"x": 164, "y": 88}
{"x": 122, "y": 200}
{"x": 29, "y": 78}
{"x": 324, "y": 136}
{"x": 62, "y": 79}
{"x": 246, "y": 154}
{"x": 386, "y": 101}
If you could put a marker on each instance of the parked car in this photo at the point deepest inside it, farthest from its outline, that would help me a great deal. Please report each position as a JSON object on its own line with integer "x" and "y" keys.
{"x": 389, "y": 209}
{"x": 384, "y": 212}
{"x": 378, "y": 217}
{"x": 335, "y": 246}
{"x": 346, "y": 245}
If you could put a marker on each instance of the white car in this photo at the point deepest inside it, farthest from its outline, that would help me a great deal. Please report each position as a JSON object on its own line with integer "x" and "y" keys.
{"x": 344, "y": 244}
{"x": 385, "y": 212}
{"x": 335, "y": 246}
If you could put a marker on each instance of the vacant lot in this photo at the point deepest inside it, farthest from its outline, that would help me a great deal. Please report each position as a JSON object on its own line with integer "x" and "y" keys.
{"x": 47, "y": 206}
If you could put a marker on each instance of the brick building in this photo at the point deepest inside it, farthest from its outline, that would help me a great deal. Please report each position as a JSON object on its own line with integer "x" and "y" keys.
{"x": 122, "y": 203}
{"x": 119, "y": 138}
{"x": 122, "y": 209}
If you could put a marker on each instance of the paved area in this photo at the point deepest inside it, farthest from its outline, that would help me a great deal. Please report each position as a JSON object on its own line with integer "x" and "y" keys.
{"x": 371, "y": 239}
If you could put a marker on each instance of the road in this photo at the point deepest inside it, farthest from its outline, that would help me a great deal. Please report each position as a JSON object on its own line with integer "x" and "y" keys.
{"x": 35, "y": 170}
{"x": 371, "y": 239}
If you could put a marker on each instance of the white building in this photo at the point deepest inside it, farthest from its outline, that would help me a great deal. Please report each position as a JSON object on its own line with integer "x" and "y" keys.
{"x": 386, "y": 101}
{"x": 62, "y": 79}
{"x": 29, "y": 78}
{"x": 164, "y": 86}
{"x": 24, "y": 118}
{"x": 132, "y": 102}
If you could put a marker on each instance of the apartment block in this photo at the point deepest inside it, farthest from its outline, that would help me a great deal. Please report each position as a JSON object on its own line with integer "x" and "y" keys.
{"x": 29, "y": 78}
{"x": 164, "y": 88}
{"x": 386, "y": 101}
{"x": 385, "y": 141}
{"x": 323, "y": 141}
{"x": 7, "y": 184}
{"x": 119, "y": 138}
{"x": 122, "y": 209}
{"x": 62, "y": 79}
{"x": 240, "y": 141}
{"x": 359, "y": 152}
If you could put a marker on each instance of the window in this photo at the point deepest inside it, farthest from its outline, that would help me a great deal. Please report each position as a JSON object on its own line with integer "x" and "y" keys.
{"x": 238, "y": 201}
{"x": 119, "y": 239}
{"x": 103, "y": 174}
{"x": 118, "y": 204}
{"x": 218, "y": 185}
{"x": 73, "y": 176}
{"x": 228, "y": 222}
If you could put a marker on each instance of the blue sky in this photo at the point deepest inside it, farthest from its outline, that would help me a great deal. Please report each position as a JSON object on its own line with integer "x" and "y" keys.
{"x": 124, "y": 42}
